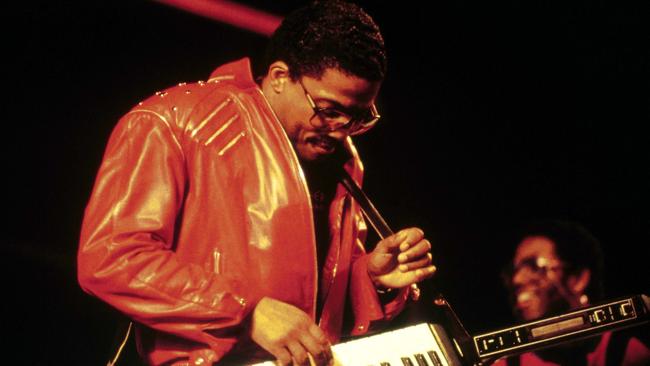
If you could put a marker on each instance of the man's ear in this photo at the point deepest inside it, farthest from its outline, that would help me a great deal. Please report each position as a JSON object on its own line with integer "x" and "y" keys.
{"x": 278, "y": 76}
{"x": 578, "y": 282}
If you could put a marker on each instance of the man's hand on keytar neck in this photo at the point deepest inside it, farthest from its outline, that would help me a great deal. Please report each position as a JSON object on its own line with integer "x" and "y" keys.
{"x": 401, "y": 259}
{"x": 289, "y": 334}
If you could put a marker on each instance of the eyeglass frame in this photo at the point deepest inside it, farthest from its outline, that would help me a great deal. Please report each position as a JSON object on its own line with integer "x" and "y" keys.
{"x": 354, "y": 126}
{"x": 539, "y": 266}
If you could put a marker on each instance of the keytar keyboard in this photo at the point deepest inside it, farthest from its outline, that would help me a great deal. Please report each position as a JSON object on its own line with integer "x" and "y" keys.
{"x": 416, "y": 345}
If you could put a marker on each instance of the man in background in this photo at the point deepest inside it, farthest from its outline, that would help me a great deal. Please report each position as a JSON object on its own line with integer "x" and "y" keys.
{"x": 557, "y": 266}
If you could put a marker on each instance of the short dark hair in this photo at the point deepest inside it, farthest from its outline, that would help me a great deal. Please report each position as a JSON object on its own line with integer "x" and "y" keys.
{"x": 575, "y": 246}
{"x": 329, "y": 34}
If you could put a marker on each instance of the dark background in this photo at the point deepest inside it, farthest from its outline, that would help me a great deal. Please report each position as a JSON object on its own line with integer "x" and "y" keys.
{"x": 493, "y": 115}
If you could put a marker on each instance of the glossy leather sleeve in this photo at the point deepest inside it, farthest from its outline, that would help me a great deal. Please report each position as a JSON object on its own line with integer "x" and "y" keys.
{"x": 126, "y": 256}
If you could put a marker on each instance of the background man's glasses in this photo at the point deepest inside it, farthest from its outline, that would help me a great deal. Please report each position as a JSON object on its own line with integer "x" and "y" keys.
{"x": 335, "y": 119}
{"x": 538, "y": 266}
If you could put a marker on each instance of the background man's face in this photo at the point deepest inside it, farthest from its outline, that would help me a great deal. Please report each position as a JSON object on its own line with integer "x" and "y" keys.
{"x": 538, "y": 283}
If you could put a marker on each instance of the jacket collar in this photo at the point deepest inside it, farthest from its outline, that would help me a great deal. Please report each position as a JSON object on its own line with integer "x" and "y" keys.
{"x": 237, "y": 72}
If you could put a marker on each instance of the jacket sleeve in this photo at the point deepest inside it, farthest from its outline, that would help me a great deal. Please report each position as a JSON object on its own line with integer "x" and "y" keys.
{"x": 369, "y": 312}
{"x": 126, "y": 255}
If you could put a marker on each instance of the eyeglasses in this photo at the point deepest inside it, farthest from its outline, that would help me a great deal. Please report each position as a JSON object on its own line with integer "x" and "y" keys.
{"x": 335, "y": 119}
{"x": 538, "y": 266}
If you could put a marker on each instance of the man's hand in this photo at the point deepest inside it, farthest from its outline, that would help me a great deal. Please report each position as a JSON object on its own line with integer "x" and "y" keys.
{"x": 289, "y": 334}
{"x": 401, "y": 259}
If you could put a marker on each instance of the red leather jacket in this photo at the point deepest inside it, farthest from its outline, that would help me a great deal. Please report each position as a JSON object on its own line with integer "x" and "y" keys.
{"x": 200, "y": 208}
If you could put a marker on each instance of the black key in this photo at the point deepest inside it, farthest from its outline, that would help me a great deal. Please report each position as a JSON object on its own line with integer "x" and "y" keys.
{"x": 420, "y": 359}
{"x": 407, "y": 361}
{"x": 434, "y": 358}
{"x": 384, "y": 364}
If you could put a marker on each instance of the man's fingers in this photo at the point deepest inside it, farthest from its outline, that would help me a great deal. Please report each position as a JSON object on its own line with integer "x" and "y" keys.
{"x": 304, "y": 348}
{"x": 317, "y": 344}
{"x": 415, "y": 252}
{"x": 420, "y": 274}
{"x": 420, "y": 263}
{"x": 424, "y": 273}
{"x": 403, "y": 238}
{"x": 282, "y": 355}
{"x": 298, "y": 353}
{"x": 286, "y": 332}
{"x": 318, "y": 334}
{"x": 321, "y": 355}
{"x": 320, "y": 337}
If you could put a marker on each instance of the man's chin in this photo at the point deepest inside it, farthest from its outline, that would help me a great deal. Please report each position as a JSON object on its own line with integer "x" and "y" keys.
{"x": 528, "y": 314}
{"x": 309, "y": 158}
{"x": 533, "y": 312}
{"x": 529, "y": 309}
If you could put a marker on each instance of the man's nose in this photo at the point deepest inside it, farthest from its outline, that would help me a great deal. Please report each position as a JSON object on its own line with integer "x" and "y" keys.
{"x": 522, "y": 276}
{"x": 334, "y": 130}
{"x": 338, "y": 135}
